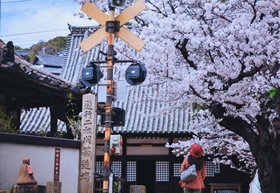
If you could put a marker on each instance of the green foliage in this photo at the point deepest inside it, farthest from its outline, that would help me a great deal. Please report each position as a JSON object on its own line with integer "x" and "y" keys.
{"x": 6, "y": 123}
{"x": 32, "y": 55}
{"x": 198, "y": 107}
{"x": 12, "y": 189}
{"x": 52, "y": 46}
{"x": 59, "y": 43}
{"x": 59, "y": 134}
{"x": 20, "y": 48}
{"x": 74, "y": 119}
{"x": 43, "y": 131}
{"x": 272, "y": 92}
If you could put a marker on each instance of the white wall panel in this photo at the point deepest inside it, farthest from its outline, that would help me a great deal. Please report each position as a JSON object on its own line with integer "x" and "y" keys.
{"x": 42, "y": 162}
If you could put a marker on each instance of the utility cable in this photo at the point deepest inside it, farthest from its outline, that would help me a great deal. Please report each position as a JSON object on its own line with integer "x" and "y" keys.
{"x": 37, "y": 8}
{"x": 20, "y": 1}
{"x": 32, "y": 32}
{"x": 27, "y": 38}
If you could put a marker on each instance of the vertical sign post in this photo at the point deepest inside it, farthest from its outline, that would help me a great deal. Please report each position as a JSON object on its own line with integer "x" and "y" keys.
{"x": 88, "y": 144}
{"x": 56, "y": 185}
{"x": 56, "y": 164}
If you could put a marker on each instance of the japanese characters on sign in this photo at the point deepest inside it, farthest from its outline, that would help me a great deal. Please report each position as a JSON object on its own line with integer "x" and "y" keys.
{"x": 56, "y": 164}
{"x": 88, "y": 136}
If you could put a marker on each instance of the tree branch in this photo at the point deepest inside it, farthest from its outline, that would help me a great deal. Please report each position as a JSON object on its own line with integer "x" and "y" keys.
{"x": 172, "y": 7}
{"x": 242, "y": 75}
{"x": 254, "y": 10}
{"x": 236, "y": 125}
{"x": 275, "y": 68}
{"x": 157, "y": 8}
{"x": 197, "y": 94}
{"x": 222, "y": 17}
{"x": 141, "y": 21}
{"x": 237, "y": 106}
{"x": 211, "y": 57}
{"x": 185, "y": 53}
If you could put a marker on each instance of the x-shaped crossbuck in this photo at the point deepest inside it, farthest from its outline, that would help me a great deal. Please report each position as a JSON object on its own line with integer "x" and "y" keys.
{"x": 123, "y": 33}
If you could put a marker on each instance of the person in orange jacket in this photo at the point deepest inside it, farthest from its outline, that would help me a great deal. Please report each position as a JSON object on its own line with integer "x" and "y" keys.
{"x": 195, "y": 157}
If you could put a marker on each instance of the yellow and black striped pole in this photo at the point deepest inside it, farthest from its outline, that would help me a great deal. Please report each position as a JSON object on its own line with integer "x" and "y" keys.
{"x": 109, "y": 95}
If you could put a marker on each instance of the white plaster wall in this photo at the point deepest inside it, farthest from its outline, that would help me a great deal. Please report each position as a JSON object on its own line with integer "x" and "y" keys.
{"x": 42, "y": 162}
{"x": 147, "y": 151}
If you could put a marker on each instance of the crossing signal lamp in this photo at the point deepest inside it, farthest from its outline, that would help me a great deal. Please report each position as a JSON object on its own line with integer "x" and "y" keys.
{"x": 118, "y": 3}
{"x": 135, "y": 74}
{"x": 91, "y": 75}
{"x": 116, "y": 143}
{"x": 118, "y": 117}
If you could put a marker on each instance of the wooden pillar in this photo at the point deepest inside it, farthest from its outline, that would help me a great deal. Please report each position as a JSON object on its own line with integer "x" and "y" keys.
{"x": 88, "y": 144}
{"x": 124, "y": 162}
{"x": 53, "y": 121}
{"x": 171, "y": 167}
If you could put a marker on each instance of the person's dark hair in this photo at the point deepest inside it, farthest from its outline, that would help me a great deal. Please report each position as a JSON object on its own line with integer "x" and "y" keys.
{"x": 197, "y": 161}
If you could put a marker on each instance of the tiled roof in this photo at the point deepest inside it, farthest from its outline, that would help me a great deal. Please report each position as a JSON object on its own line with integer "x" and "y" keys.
{"x": 56, "y": 71}
{"x": 22, "y": 52}
{"x": 50, "y": 60}
{"x": 36, "y": 118}
{"x": 36, "y": 75}
{"x": 141, "y": 117}
{"x": 144, "y": 116}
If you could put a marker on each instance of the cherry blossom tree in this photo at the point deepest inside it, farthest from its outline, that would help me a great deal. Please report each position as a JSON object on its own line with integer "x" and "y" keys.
{"x": 223, "y": 54}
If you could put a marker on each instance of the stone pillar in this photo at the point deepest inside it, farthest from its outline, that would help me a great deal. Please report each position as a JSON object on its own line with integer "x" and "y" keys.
{"x": 53, "y": 187}
{"x": 88, "y": 144}
{"x": 137, "y": 189}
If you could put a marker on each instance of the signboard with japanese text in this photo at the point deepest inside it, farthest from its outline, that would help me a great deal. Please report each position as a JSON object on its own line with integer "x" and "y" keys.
{"x": 88, "y": 144}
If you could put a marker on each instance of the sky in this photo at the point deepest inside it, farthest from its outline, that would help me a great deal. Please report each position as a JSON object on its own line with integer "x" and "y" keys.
{"x": 26, "y": 22}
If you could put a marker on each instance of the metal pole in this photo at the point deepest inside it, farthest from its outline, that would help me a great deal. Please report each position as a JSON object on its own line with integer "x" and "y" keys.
{"x": 109, "y": 93}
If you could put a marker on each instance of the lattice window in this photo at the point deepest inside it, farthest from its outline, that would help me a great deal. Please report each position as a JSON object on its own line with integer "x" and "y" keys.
{"x": 176, "y": 169}
{"x": 212, "y": 169}
{"x": 162, "y": 171}
{"x": 99, "y": 167}
{"x": 131, "y": 171}
{"x": 116, "y": 168}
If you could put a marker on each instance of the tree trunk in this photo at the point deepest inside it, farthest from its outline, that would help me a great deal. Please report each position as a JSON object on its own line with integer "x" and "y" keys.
{"x": 264, "y": 146}
{"x": 268, "y": 171}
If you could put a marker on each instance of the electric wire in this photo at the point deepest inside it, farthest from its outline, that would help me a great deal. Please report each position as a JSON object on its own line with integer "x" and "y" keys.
{"x": 19, "y": 1}
{"x": 30, "y": 38}
{"x": 6, "y": 35}
{"x": 37, "y": 37}
{"x": 9, "y": 12}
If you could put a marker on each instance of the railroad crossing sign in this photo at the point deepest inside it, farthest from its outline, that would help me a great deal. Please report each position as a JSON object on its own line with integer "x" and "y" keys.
{"x": 123, "y": 33}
